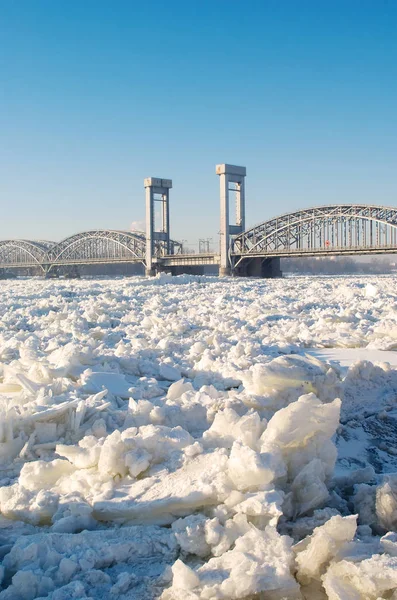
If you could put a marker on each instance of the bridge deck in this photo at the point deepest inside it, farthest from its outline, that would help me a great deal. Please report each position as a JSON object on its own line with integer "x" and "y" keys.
{"x": 353, "y": 250}
{"x": 182, "y": 260}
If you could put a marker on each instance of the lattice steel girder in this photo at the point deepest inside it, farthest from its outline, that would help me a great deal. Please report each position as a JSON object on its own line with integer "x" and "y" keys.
{"x": 286, "y": 230}
{"x": 89, "y": 247}
{"x": 23, "y": 252}
{"x": 98, "y": 245}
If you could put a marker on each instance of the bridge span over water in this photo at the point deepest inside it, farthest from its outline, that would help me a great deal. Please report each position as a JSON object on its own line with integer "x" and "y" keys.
{"x": 336, "y": 229}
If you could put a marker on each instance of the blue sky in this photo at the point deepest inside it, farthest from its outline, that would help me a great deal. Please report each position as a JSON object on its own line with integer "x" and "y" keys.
{"x": 96, "y": 95}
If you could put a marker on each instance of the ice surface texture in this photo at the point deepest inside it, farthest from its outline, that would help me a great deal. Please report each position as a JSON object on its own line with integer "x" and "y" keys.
{"x": 172, "y": 438}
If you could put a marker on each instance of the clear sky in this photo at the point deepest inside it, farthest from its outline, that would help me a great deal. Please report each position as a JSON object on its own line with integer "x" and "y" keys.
{"x": 96, "y": 95}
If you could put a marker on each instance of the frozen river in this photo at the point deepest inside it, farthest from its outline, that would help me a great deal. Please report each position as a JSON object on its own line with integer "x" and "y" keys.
{"x": 345, "y": 357}
{"x": 195, "y": 438}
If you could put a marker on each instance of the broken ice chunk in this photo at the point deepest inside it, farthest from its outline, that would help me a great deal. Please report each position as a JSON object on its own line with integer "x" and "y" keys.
{"x": 162, "y": 499}
{"x": 249, "y": 469}
{"x": 261, "y": 508}
{"x": 40, "y": 474}
{"x": 373, "y": 578}
{"x": 260, "y": 563}
{"x": 386, "y": 502}
{"x": 169, "y": 373}
{"x": 183, "y": 576}
{"x": 115, "y": 383}
{"x": 315, "y": 551}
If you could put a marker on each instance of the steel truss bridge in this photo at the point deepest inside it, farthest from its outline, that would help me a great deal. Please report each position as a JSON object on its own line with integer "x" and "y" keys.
{"x": 87, "y": 248}
{"x": 339, "y": 229}
{"x": 320, "y": 231}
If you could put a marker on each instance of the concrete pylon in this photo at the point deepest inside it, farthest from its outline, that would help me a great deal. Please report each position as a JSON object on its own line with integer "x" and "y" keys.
{"x": 230, "y": 174}
{"x": 157, "y": 190}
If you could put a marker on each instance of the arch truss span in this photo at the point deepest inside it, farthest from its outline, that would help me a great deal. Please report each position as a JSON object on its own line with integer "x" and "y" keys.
{"x": 333, "y": 229}
{"x": 23, "y": 253}
{"x": 98, "y": 246}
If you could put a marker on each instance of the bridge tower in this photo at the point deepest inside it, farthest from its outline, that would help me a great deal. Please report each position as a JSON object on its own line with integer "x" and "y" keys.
{"x": 157, "y": 191}
{"x": 232, "y": 179}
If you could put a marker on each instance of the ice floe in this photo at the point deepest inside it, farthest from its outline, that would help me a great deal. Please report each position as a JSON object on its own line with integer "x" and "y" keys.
{"x": 198, "y": 439}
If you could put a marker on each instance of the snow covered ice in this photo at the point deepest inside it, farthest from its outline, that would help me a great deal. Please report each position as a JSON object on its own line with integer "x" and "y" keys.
{"x": 192, "y": 438}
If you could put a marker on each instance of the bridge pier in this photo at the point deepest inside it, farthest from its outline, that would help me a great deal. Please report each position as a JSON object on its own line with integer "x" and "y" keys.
{"x": 157, "y": 241}
{"x": 51, "y": 274}
{"x": 268, "y": 268}
{"x": 65, "y": 271}
{"x": 230, "y": 175}
{"x": 187, "y": 270}
{"x": 6, "y": 274}
{"x": 225, "y": 271}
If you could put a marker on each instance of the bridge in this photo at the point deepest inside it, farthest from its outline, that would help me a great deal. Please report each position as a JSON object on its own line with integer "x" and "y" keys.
{"x": 337, "y": 229}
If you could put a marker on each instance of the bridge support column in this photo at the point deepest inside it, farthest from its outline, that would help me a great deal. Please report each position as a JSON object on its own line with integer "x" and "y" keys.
{"x": 157, "y": 190}
{"x": 232, "y": 179}
{"x": 260, "y": 267}
{"x": 271, "y": 268}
